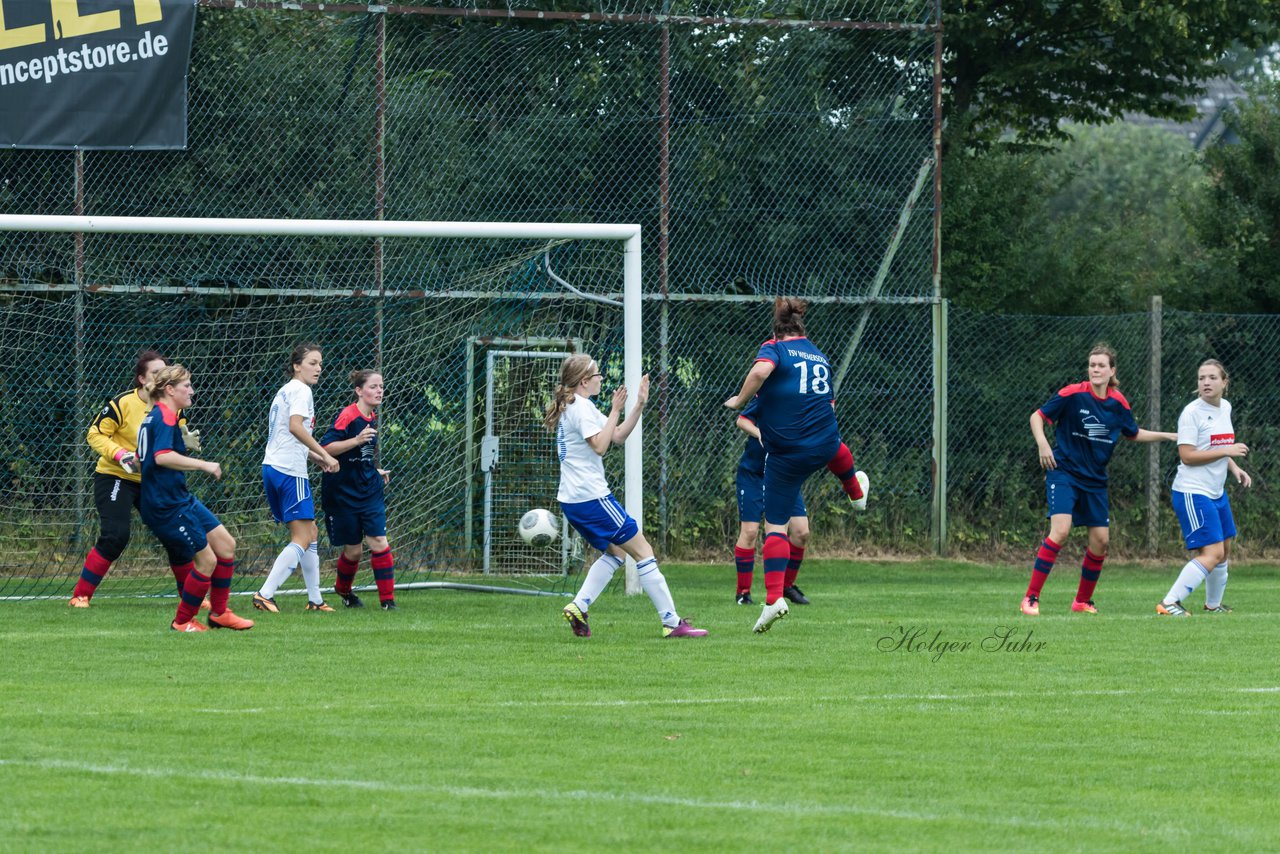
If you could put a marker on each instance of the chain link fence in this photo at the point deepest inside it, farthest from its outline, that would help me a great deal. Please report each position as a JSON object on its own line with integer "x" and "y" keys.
{"x": 1002, "y": 367}
{"x": 785, "y": 151}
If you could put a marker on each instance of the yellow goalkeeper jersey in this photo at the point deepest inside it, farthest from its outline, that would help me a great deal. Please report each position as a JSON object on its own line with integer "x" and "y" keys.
{"x": 116, "y": 429}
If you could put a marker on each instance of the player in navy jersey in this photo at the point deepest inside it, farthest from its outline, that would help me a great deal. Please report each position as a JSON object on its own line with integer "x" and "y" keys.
{"x": 117, "y": 488}
{"x": 176, "y": 516}
{"x": 798, "y": 430}
{"x": 355, "y": 511}
{"x": 750, "y": 488}
{"x": 1088, "y": 418}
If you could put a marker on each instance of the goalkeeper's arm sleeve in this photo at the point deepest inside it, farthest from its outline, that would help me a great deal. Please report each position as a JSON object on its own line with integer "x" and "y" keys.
{"x": 102, "y": 432}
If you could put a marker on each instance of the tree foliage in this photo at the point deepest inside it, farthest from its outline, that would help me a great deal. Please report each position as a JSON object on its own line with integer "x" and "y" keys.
{"x": 1097, "y": 225}
{"x": 1031, "y": 66}
{"x": 1238, "y": 222}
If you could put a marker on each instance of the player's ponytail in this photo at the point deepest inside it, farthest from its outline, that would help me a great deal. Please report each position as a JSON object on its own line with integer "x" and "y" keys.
{"x": 788, "y": 317}
{"x": 170, "y": 375}
{"x": 1102, "y": 348}
{"x": 573, "y": 371}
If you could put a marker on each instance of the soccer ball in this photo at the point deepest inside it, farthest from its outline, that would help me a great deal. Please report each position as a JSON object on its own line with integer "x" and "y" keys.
{"x": 539, "y": 527}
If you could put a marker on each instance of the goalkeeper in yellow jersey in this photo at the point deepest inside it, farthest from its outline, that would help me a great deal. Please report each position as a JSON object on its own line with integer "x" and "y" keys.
{"x": 113, "y": 435}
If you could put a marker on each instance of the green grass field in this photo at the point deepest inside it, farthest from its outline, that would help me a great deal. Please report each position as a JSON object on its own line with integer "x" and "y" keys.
{"x": 477, "y": 722}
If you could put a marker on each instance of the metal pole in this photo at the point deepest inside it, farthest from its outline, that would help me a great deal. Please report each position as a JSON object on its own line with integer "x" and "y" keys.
{"x": 633, "y": 362}
{"x": 1153, "y": 416}
{"x": 939, "y": 526}
{"x": 379, "y": 173}
{"x": 939, "y": 309}
{"x": 937, "y": 152}
{"x": 80, "y": 456}
{"x": 469, "y": 457}
{"x": 664, "y": 228}
{"x": 488, "y": 474}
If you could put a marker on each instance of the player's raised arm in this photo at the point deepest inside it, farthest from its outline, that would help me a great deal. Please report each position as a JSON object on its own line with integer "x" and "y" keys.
{"x": 751, "y": 384}
{"x": 624, "y": 429}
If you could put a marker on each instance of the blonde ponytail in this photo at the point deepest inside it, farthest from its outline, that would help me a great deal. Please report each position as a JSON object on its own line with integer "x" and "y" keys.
{"x": 573, "y": 371}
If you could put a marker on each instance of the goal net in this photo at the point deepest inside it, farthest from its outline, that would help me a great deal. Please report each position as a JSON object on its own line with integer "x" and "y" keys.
{"x": 468, "y": 323}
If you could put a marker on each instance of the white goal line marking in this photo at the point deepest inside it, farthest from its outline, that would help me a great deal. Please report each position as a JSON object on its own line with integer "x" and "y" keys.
{"x": 580, "y": 795}
{"x": 853, "y": 698}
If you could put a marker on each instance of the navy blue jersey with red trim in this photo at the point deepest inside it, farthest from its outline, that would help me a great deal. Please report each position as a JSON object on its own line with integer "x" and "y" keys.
{"x": 752, "y": 459}
{"x": 163, "y": 489}
{"x": 356, "y": 483}
{"x": 796, "y": 401}
{"x": 1086, "y": 429}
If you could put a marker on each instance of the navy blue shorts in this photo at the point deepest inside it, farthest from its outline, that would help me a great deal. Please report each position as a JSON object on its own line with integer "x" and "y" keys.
{"x": 785, "y": 472}
{"x": 289, "y": 497}
{"x": 184, "y": 531}
{"x": 1088, "y": 506}
{"x": 751, "y": 498}
{"x": 1204, "y": 520}
{"x": 601, "y": 522}
{"x": 349, "y": 526}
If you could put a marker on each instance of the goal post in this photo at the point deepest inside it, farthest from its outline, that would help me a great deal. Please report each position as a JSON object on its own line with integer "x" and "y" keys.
{"x": 629, "y": 236}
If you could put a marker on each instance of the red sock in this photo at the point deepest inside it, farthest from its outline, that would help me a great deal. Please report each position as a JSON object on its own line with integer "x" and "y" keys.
{"x": 95, "y": 569}
{"x": 193, "y": 592}
{"x": 220, "y": 587}
{"x": 180, "y": 572}
{"x": 777, "y": 552}
{"x": 384, "y": 574}
{"x": 1090, "y": 569}
{"x": 793, "y": 565}
{"x": 1047, "y": 554}
{"x": 346, "y": 575}
{"x": 745, "y": 561}
{"x": 841, "y": 465}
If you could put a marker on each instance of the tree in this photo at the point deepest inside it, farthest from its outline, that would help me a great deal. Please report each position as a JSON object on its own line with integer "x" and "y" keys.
{"x": 1029, "y": 66}
{"x": 1239, "y": 221}
{"x": 1097, "y": 225}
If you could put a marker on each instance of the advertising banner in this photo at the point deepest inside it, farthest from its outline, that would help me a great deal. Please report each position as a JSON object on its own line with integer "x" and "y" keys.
{"x": 94, "y": 74}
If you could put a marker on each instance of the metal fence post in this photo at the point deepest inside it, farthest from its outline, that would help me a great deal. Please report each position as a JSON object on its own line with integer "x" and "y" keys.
{"x": 80, "y": 457}
{"x": 1153, "y": 418}
{"x": 939, "y": 514}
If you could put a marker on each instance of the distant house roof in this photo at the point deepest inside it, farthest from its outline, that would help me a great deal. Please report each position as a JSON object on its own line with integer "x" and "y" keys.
{"x": 1208, "y": 127}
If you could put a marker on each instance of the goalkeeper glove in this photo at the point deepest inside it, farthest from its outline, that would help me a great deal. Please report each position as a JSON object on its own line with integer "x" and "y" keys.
{"x": 191, "y": 438}
{"x": 128, "y": 461}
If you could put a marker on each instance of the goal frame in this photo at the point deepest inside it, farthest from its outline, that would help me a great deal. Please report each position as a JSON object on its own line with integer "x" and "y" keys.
{"x": 629, "y": 235}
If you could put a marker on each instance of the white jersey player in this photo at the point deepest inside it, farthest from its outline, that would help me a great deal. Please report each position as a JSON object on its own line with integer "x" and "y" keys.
{"x": 583, "y": 434}
{"x": 284, "y": 478}
{"x": 1208, "y": 448}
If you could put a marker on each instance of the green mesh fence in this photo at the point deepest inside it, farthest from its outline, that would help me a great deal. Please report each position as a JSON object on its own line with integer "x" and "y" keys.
{"x": 1002, "y": 368}
{"x": 783, "y": 150}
